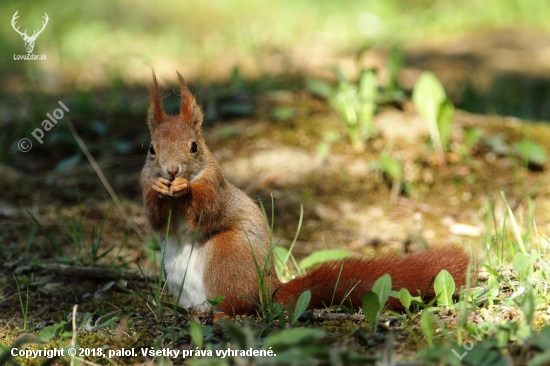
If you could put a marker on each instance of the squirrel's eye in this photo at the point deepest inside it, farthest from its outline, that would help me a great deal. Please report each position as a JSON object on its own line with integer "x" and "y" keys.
{"x": 151, "y": 150}
{"x": 194, "y": 147}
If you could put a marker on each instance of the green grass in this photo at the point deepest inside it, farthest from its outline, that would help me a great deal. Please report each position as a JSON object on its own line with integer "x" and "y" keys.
{"x": 512, "y": 253}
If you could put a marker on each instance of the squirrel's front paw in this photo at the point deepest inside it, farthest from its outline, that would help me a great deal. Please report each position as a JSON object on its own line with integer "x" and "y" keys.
{"x": 179, "y": 187}
{"x": 162, "y": 187}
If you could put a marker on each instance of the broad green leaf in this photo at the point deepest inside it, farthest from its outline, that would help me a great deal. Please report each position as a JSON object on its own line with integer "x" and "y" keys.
{"x": 528, "y": 306}
{"x": 366, "y": 103}
{"x": 493, "y": 285}
{"x": 524, "y": 332}
{"x": 345, "y": 103}
{"x": 107, "y": 320}
{"x": 530, "y": 151}
{"x": 84, "y": 321}
{"x": 294, "y": 337}
{"x": 322, "y": 256}
{"x": 523, "y": 264}
{"x": 51, "y": 331}
{"x": 368, "y": 86}
{"x": 542, "y": 359}
{"x": 382, "y": 287}
{"x": 301, "y": 304}
{"x": 241, "y": 336}
{"x": 195, "y": 330}
{"x": 541, "y": 339}
{"x": 444, "y": 286}
{"x": 485, "y": 354}
{"x": 427, "y": 326}
{"x": 429, "y": 98}
{"x": 428, "y": 95}
{"x": 320, "y": 88}
{"x": 445, "y": 121}
{"x": 371, "y": 308}
{"x": 394, "y": 294}
{"x": 505, "y": 333}
{"x": 405, "y": 298}
{"x": 216, "y": 301}
{"x": 395, "y": 64}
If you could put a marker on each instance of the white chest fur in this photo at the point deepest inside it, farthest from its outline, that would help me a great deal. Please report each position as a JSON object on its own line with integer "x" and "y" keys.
{"x": 184, "y": 270}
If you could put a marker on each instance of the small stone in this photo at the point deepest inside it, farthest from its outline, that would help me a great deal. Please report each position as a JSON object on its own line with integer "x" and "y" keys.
{"x": 465, "y": 230}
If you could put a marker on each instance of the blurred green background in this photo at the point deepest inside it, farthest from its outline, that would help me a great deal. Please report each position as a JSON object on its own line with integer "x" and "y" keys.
{"x": 100, "y": 54}
{"x": 94, "y": 42}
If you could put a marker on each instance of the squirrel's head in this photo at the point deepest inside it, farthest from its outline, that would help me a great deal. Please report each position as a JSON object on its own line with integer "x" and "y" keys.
{"x": 177, "y": 147}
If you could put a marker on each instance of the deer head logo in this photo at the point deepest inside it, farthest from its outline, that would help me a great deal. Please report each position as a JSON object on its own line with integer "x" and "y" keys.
{"x": 29, "y": 40}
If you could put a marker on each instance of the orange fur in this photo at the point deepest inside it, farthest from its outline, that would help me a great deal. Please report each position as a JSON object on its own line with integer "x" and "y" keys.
{"x": 188, "y": 179}
{"x": 414, "y": 272}
{"x": 230, "y": 278}
{"x": 156, "y": 103}
{"x": 186, "y": 103}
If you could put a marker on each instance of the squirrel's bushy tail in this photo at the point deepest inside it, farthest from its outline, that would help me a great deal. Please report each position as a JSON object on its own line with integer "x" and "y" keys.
{"x": 414, "y": 272}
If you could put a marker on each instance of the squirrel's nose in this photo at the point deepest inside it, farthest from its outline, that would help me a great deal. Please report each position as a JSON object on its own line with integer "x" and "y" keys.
{"x": 172, "y": 171}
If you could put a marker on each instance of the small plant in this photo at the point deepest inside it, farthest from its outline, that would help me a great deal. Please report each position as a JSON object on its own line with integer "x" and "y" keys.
{"x": 356, "y": 103}
{"x": 12, "y": 253}
{"x": 407, "y": 300}
{"x": 82, "y": 253}
{"x": 393, "y": 169}
{"x": 195, "y": 330}
{"x": 375, "y": 300}
{"x": 24, "y": 306}
{"x": 301, "y": 306}
{"x": 395, "y": 64}
{"x": 472, "y": 137}
{"x": 432, "y": 104}
{"x": 530, "y": 153}
{"x": 444, "y": 286}
{"x": 216, "y": 301}
{"x": 264, "y": 271}
{"x": 427, "y": 326}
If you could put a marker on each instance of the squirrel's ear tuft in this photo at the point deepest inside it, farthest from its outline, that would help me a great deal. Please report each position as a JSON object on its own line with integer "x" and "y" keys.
{"x": 156, "y": 112}
{"x": 190, "y": 112}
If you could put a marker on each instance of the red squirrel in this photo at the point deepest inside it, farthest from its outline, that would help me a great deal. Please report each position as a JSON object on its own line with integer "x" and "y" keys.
{"x": 181, "y": 176}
